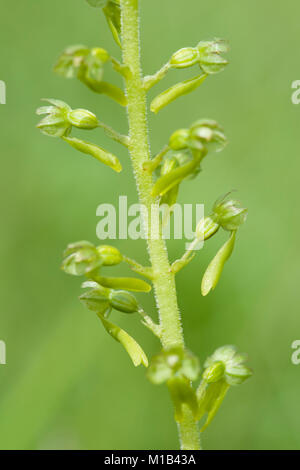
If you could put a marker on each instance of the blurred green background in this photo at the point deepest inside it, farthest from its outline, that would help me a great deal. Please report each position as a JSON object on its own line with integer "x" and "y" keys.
{"x": 66, "y": 383}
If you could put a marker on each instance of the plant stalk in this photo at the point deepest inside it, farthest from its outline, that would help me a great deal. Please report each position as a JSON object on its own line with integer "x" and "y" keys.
{"x": 163, "y": 278}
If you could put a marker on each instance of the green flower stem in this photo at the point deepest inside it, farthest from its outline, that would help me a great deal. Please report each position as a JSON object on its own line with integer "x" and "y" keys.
{"x": 110, "y": 132}
{"x": 188, "y": 431}
{"x": 164, "y": 280}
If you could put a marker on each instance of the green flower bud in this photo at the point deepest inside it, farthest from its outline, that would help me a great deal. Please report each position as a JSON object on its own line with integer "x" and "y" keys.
{"x": 81, "y": 258}
{"x": 179, "y": 139}
{"x": 123, "y": 301}
{"x": 83, "y": 119}
{"x": 95, "y": 151}
{"x": 185, "y": 57}
{"x": 109, "y": 255}
{"x": 210, "y": 59}
{"x": 234, "y": 370}
{"x": 214, "y": 373}
{"x": 56, "y": 123}
{"x": 174, "y": 362}
{"x": 206, "y": 228}
{"x": 230, "y": 214}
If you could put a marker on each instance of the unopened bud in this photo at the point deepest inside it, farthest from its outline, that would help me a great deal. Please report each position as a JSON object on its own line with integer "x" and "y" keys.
{"x": 214, "y": 373}
{"x": 185, "y": 57}
{"x": 83, "y": 119}
{"x": 109, "y": 255}
{"x": 123, "y": 301}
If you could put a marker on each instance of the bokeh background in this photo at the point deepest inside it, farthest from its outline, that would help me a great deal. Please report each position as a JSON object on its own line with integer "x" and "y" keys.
{"x": 66, "y": 384}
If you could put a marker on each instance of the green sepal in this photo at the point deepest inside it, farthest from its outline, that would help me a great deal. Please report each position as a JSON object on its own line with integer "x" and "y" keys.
{"x": 215, "y": 267}
{"x": 182, "y": 393}
{"x": 134, "y": 350}
{"x": 168, "y": 181}
{"x": 127, "y": 283}
{"x": 180, "y": 89}
{"x": 95, "y": 151}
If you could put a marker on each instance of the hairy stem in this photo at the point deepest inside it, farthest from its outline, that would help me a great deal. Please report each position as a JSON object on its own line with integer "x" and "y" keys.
{"x": 163, "y": 278}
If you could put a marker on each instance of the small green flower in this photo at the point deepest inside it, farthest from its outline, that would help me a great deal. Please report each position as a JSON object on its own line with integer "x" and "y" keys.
{"x": 56, "y": 123}
{"x": 210, "y": 59}
{"x": 229, "y": 213}
{"x": 206, "y": 132}
{"x": 81, "y": 258}
{"x": 61, "y": 117}
{"x": 81, "y": 62}
{"x": 227, "y": 363}
{"x": 173, "y": 363}
{"x": 199, "y": 137}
